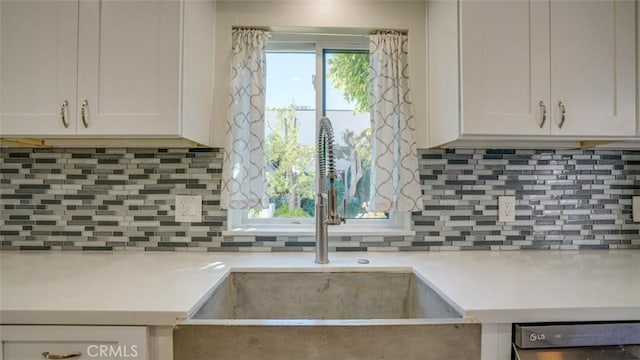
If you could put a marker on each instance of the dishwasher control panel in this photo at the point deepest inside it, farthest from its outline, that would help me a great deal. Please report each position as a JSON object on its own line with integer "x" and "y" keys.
{"x": 577, "y": 335}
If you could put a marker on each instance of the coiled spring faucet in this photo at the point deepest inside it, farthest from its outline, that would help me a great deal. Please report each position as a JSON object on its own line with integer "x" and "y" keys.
{"x": 326, "y": 203}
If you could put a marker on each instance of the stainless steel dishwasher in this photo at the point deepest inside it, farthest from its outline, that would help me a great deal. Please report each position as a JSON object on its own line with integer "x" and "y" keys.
{"x": 577, "y": 341}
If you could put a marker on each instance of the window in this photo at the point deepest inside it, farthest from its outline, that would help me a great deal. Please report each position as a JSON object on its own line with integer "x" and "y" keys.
{"x": 309, "y": 76}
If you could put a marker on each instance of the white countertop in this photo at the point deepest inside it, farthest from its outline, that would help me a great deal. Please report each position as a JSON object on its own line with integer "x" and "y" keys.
{"x": 157, "y": 288}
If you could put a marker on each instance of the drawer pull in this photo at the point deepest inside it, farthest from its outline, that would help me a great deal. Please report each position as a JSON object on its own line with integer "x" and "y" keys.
{"x": 48, "y": 355}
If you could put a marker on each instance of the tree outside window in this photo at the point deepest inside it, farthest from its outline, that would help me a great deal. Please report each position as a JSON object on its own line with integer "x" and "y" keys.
{"x": 290, "y": 133}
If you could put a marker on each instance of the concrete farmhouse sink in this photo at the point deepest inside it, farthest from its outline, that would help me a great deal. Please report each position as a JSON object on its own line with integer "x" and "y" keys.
{"x": 324, "y": 295}
{"x": 326, "y": 315}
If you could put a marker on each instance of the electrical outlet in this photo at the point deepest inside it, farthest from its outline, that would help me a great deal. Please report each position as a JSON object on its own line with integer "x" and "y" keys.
{"x": 507, "y": 208}
{"x": 636, "y": 209}
{"x": 188, "y": 208}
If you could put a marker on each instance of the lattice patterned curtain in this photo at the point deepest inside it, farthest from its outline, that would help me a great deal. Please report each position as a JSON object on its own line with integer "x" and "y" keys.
{"x": 243, "y": 185}
{"x": 395, "y": 182}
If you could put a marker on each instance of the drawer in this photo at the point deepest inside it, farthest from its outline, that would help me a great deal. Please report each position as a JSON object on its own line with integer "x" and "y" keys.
{"x": 74, "y": 342}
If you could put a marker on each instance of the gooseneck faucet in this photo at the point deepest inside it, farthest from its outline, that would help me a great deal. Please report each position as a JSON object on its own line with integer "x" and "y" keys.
{"x": 326, "y": 204}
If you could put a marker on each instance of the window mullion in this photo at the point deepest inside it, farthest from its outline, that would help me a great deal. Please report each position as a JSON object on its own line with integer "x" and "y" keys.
{"x": 319, "y": 87}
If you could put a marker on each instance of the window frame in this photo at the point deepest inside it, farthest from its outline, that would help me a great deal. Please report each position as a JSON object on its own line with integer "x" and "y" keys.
{"x": 238, "y": 221}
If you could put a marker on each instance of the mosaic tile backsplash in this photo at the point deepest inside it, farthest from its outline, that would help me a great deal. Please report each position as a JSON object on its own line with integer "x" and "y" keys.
{"x": 122, "y": 199}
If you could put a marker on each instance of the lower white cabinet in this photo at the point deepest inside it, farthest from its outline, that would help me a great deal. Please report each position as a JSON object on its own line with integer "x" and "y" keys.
{"x": 30, "y": 342}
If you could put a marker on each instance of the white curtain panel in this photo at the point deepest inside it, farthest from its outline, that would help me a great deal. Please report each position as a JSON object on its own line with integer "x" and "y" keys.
{"x": 243, "y": 185}
{"x": 395, "y": 182}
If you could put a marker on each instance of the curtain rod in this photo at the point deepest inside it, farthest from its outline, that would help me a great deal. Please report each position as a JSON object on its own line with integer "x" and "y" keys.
{"x": 317, "y": 34}
{"x": 285, "y": 32}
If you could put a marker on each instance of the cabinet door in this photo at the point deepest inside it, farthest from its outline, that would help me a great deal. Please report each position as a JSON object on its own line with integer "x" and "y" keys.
{"x": 593, "y": 67}
{"x": 38, "y": 41}
{"x": 505, "y": 67}
{"x": 128, "y": 67}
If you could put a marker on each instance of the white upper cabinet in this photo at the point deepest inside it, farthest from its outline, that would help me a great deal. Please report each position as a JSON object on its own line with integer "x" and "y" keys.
{"x": 128, "y": 67}
{"x": 125, "y": 69}
{"x": 505, "y": 67}
{"x": 38, "y": 67}
{"x": 593, "y": 67}
{"x": 518, "y": 64}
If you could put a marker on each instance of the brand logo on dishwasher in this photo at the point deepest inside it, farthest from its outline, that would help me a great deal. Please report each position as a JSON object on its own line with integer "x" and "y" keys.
{"x": 536, "y": 337}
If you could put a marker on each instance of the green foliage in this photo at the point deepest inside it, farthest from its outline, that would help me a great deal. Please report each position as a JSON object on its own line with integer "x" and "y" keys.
{"x": 358, "y": 146}
{"x": 349, "y": 72}
{"x": 309, "y": 206}
{"x": 292, "y": 174}
{"x": 253, "y": 213}
{"x": 292, "y": 171}
{"x": 283, "y": 211}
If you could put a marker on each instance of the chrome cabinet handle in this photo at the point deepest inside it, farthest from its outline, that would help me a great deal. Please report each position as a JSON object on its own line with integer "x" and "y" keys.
{"x": 563, "y": 114}
{"x": 63, "y": 113}
{"x": 83, "y": 113}
{"x": 48, "y": 355}
{"x": 544, "y": 113}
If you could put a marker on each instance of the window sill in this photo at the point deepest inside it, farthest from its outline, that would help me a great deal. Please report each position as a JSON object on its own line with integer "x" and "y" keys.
{"x": 310, "y": 231}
